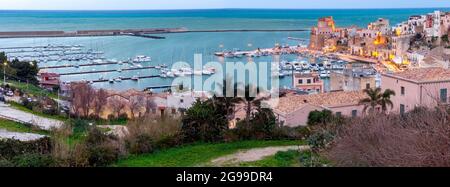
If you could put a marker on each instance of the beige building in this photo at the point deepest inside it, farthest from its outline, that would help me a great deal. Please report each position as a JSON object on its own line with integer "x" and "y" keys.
{"x": 293, "y": 110}
{"x": 422, "y": 87}
{"x": 352, "y": 80}
{"x": 308, "y": 82}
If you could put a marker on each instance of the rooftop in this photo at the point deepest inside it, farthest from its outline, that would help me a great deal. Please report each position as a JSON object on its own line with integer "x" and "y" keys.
{"x": 424, "y": 74}
{"x": 291, "y": 102}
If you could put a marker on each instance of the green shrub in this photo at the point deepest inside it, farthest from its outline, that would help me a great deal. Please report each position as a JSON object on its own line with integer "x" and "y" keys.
{"x": 205, "y": 122}
{"x": 33, "y": 160}
{"x": 11, "y": 148}
{"x": 320, "y": 117}
{"x": 100, "y": 149}
{"x": 320, "y": 139}
{"x": 6, "y": 163}
{"x": 140, "y": 144}
{"x": 79, "y": 126}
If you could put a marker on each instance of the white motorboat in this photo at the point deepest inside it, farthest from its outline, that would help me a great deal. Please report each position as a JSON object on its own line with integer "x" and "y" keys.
{"x": 142, "y": 58}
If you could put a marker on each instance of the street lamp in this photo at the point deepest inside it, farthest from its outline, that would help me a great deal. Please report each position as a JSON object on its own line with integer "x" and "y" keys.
{"x": 4, "y": 72}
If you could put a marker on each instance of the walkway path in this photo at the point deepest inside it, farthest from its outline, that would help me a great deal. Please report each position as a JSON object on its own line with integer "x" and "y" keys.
{"x": 254, "y": 154}
{"x": 9, "y": 113}
{"x": 4, "y": 134}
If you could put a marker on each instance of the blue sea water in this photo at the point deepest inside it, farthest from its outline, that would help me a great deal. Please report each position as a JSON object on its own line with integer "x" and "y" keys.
{"x": 181, "y": 47}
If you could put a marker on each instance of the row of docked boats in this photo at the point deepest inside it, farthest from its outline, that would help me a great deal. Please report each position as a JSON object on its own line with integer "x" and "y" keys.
{"x": 237, "y": 53}
{"x": 186, "y": 71}
{"x": 323, "y": 68}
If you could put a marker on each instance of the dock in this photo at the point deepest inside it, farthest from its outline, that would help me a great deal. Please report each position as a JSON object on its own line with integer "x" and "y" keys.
{"x": 127, "y": 78}
{"x": 107, "y": 71}
{"x": 81, "y": 65}
{"x": 88, "y": 65}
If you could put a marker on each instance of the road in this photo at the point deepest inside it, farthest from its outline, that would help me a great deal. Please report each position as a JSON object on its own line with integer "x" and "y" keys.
{"x": 10, "y": 113}
{"x": 4, "y": 134}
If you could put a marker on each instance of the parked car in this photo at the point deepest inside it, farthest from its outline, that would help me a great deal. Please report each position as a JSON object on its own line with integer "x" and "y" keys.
{"x": 10, "y": 93}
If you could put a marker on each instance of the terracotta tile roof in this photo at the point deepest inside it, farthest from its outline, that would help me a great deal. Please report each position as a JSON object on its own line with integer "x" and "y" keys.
{"x": 291, "y": 103}
{"x": 424, "y": 74}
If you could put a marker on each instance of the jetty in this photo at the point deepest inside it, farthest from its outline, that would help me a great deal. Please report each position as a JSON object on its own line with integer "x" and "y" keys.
{"x": 81, "y": 65}
{"x": 126, "y": 78}
{"x": 144, "y": 33}
{"x": 106, "y": 71}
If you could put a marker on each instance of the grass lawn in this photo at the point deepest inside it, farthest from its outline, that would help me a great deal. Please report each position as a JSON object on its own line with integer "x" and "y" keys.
{"x": 197, "y": 154}
{"x": 290, "y": 159}
{"x": 32, "y": 89}
{"x": 25, "y": 109}
{"x": 18, "y": 127}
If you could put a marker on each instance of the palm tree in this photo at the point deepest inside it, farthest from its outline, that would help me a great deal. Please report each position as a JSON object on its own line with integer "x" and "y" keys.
{"x": 377, "y": 98}
{"x": 251, "y": 100}
{"x": 386, "y": 99}
{"x": 226, "y": 101}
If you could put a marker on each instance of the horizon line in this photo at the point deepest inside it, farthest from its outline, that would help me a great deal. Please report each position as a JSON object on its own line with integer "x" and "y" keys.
{"x": 375, "y": 8}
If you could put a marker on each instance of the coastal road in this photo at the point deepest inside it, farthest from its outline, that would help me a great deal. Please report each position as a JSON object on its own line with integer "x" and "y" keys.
{"x": 12, "y": 114}
{"x": 4, "y": 134}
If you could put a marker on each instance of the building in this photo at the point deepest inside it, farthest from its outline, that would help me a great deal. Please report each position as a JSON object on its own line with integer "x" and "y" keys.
{"x": 293, "y": 110}
{"x": 353, "y": 79}
{"x": 325, "y": 30}
{"x": 308, "y": 82}
{"x": 437, "y": 57}
{"x": 49, "y": 80}
{"x": 422, "y": 87}
{"x": 381, "y": 25}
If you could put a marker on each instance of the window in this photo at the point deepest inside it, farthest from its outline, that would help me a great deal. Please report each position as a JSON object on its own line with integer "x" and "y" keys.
{"x": 402, "y": 109}
{"x": 354, "y": 113}
{"x": 444, "y": 95}
{"x": 338, "y": 114}
{"x": 181, "y": 100}
{"x": 402, "y": 90}
{"x": 300, "y": 81}
{"x": 308, "y": 81}
{"x": 368, "y": 86}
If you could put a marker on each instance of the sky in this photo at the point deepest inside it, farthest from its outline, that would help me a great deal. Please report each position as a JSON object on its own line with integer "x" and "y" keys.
{"x": 213, "y": 4}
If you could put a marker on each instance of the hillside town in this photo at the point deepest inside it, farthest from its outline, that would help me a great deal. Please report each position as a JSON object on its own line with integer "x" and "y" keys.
{"x": 410, "y": 58}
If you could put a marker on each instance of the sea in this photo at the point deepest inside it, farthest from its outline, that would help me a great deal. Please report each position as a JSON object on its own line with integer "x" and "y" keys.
{"x": 181, "y": 46}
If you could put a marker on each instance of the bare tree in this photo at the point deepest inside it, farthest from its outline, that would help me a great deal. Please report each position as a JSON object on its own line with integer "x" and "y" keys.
{"x": 150, "y": 104}
{"x": 101, "y": 98}
{"x": 137, "y": 102}
{"x": 117, "y": 105}
{"x": 419, "y": 138}
{"x": 82, "y": 98}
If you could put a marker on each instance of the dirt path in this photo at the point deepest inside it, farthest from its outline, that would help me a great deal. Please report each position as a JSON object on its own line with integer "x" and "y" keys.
{"x": 254, "y": 154}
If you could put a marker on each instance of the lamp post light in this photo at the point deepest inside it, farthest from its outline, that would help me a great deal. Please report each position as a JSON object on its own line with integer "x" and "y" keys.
{"x": 4, "y": 72}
